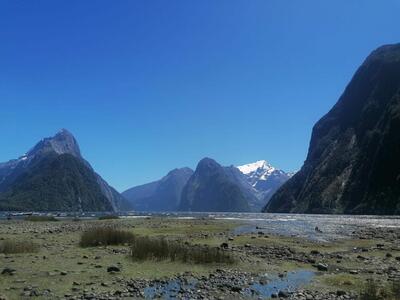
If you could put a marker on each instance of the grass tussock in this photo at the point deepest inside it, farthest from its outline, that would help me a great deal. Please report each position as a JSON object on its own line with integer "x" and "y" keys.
{"x": 373, "y": 291}
{"x": 12, "y": 247}
{"x": 109, "y": 217}
{"x": 41, "y": 219}
{"x": 103, "y": 236}
{"x": 145, "y": 248}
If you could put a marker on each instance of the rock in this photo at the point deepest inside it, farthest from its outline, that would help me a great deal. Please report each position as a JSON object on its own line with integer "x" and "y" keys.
{"x": 353, "y": 272}
{"x": 340, "y": 293}
{"x": 224, "y": 245}
{"x": 322, "y": 267}
{"x": 8, "y": 271}
{"x": 236, "y": 289}
{"x": 113, "y": 269}
{"x": 283, "y": 294}
{"x": 63, "y": 273}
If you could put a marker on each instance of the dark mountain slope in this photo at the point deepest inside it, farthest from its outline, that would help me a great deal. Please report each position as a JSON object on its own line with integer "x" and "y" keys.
{"x": 353, "y": 164}
{"x": 54, "y": 176}
{"x": 210, "y": 188}
{"x": 58, "y": 182}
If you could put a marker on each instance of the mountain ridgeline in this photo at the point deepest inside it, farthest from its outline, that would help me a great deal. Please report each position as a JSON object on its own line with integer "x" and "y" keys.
{"x": 211, "y": 187}
{"x": 53, "y": 176}
{"x": 161, "y": 195}
{"x": 353, "y": 163}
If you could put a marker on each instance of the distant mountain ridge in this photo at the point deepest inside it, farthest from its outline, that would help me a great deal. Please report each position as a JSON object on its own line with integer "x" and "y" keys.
{"x": 353, "y": 162}
{"x": 54, "y": 176}
{"x": 160, "y": 195}
{"x": 255, "y": 182}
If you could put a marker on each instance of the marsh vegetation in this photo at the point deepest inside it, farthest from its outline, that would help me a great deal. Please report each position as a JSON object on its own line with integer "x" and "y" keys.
{"x": 12, "y": 247}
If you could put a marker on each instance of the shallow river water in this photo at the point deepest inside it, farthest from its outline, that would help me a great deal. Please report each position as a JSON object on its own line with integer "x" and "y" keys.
{"x": 330, "y": 227}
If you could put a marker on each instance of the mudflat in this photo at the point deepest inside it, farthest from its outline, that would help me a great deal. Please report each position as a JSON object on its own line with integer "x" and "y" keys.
{"x": 265, "y": 264}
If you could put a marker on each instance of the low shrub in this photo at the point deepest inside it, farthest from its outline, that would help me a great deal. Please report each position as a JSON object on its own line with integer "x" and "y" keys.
{"x": 11, "y": 247}
{"x": 41, "y": 219}
{"x": 102, "y": 236}
{"x": 109, "y": 217}
{"x": 144, "y": 248}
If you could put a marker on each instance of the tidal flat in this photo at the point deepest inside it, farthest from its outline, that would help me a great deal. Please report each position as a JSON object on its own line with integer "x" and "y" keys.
{"x": 266, "y": 264}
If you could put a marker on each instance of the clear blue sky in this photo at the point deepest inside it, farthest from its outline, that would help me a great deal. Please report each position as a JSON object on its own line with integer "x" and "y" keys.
{"x": 147, "y": 86}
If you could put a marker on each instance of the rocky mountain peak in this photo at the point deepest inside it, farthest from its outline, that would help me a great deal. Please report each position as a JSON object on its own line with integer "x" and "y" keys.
{"x": 63, "y": 142}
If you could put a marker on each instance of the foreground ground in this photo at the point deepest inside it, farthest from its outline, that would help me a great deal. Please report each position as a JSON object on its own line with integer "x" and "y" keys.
{"x": 62, "y": 269}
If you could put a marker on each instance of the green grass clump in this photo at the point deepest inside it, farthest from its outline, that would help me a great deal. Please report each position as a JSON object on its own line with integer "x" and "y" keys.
{"x": 102, "y": 236}
{"x": 159, "y": 248}
{"x": 40, "y": 219}
{"x": 109, "y": 217}
{"x": 12, "y": 247}
{"x": 373, "y": 291}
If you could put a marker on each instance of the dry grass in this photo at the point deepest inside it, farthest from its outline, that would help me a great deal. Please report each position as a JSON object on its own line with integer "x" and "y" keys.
{"x": 102, "y": 236}
{"x": 373, "y": 291}
{"x": 159, "y": 248}
{"x": 11, "y": 247}
{"x": 40, "y": 219}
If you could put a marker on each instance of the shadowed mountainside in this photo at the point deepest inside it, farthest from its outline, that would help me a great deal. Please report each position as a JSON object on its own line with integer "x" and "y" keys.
{"x": 353, "y": 163}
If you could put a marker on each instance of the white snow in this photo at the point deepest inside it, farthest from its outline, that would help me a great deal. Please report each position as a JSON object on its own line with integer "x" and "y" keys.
{"x": 258, "y": 165}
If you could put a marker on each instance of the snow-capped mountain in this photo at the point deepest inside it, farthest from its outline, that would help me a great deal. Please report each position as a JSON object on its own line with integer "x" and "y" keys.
{"x": 264, "y": 178}
{"x": 259, "y": 170}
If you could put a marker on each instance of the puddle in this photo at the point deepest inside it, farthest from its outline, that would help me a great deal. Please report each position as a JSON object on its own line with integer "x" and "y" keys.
{"x": 290, "y": 283}
{"x": 182, "y": 289}
{"x": 169, "y": 290}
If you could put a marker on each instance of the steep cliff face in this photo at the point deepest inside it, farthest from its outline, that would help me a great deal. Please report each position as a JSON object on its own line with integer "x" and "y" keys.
{"x": 54, "y": 176}
{"x": 353, "y": 163}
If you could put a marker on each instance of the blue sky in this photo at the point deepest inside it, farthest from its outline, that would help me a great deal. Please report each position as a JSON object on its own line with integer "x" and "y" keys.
{"x": 147, "y": 86}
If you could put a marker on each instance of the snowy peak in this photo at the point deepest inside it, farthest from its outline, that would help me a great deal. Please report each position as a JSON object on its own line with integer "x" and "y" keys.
{"x": 259, "y": 170}
{"x": 258, "y": 166}
{"x": 264, "y": 178}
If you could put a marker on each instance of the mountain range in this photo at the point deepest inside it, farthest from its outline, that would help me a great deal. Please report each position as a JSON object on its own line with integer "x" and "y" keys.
{"x": 352, "y": 166}
{"x": 53, "y": 176}
{"x": 209, "y": 187}
{"x": 353, "y": 162}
